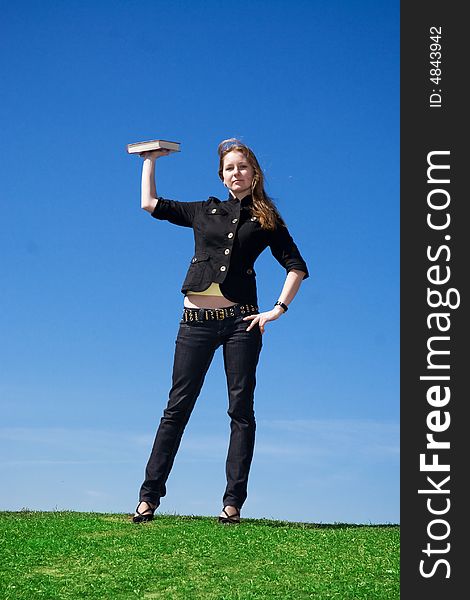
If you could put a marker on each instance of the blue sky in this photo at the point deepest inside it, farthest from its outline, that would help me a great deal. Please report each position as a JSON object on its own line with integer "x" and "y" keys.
{"x": 91, "y": 300}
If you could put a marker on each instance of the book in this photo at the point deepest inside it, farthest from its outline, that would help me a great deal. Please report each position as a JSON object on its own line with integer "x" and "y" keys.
{"x": 148, "y": 145}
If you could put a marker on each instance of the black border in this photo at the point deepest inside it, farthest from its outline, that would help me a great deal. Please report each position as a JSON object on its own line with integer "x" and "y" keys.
{"x": 424, "y": 129}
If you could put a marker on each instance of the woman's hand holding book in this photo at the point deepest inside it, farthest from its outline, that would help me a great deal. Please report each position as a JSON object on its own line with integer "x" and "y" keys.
{"x": 154, "y": 154}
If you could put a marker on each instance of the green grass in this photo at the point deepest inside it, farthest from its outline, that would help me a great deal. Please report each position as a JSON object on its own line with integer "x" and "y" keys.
{"x": 70, "y": 555}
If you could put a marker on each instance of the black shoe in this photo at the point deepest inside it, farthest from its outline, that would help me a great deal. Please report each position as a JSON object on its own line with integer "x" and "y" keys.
{"x": 146, "y": 515}
{"x": 230, "y": 519}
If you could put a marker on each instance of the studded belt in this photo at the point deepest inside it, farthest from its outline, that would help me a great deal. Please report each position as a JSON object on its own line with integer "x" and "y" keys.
{"x": 217, "y": 314}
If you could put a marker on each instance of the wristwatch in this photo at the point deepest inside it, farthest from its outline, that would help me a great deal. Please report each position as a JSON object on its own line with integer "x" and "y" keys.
{"x": 282, "y": 305}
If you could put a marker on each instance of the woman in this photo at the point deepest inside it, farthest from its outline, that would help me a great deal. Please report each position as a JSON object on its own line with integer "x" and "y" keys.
{"x": 220, "y": 309}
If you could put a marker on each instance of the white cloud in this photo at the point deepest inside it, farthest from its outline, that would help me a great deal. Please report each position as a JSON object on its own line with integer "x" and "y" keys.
{"x": 302, "y": 439}
{"x": 331, "y": 437}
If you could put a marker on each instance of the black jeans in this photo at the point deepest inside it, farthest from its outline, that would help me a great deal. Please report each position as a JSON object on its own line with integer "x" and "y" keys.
{"x": 196, "y": 343}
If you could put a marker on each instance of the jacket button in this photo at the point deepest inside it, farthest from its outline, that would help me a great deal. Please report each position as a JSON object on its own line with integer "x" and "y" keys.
{"x": 222, "y": 268}
{"x": 227, "y": 251}
{"x": 249, "y": 271}
{"x": 234, "y": 220}
{"x": 230, "y": 235}
{"x": 214, "y": 210}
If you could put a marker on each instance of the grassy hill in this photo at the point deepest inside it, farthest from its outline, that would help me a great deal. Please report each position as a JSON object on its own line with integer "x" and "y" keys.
{"x": 69, "y": 555}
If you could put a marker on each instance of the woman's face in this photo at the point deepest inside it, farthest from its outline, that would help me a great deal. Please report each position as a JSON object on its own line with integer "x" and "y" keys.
{"x": 237, "y": 173}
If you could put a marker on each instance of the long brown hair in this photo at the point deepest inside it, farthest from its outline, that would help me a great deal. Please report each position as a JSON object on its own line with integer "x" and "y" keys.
{"x": 263, "y": 208}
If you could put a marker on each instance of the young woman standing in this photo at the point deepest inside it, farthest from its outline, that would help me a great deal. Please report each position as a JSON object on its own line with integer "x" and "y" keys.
{"x": 220, "y": 309}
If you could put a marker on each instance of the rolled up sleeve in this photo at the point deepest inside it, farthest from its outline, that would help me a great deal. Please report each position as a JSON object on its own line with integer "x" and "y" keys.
{"x": 178, "y": 213}
{"x": 285, "y": 251}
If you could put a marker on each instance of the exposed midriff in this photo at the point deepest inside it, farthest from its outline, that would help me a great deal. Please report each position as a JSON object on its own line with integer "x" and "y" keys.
{"x": 211, "y": 297}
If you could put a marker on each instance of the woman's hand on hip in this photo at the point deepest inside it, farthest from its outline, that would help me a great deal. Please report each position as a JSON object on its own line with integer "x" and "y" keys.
{"x": 262, "y": 318}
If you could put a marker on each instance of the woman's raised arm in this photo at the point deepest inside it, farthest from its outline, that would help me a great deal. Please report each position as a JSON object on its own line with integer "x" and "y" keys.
{"x": 148, "y": 188}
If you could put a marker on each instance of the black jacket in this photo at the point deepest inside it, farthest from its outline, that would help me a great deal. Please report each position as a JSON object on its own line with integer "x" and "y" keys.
{"x": 228, "y": 240}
